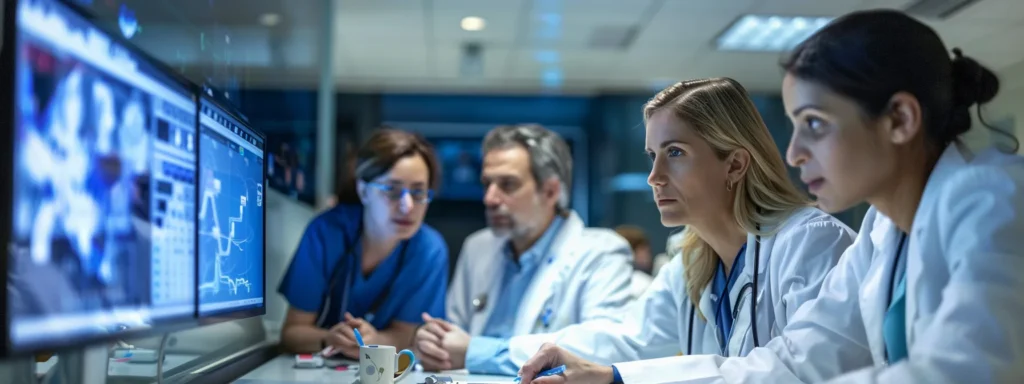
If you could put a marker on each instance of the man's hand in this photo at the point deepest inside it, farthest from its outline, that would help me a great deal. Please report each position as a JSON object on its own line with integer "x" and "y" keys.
{"x": 343, "y": 339}
{"x": 428, "y": 345}
{"x": 577, "y": 370}
{"x": 456, "y": 343}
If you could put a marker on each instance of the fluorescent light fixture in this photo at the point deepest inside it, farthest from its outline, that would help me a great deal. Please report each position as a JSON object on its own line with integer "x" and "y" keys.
{"x": 473, "y": 23}
{"x": 769, "y": 33}
{"x": 551, "y": 78}
{"x": 546, "y": 57}
{"x": 270, "y": 19}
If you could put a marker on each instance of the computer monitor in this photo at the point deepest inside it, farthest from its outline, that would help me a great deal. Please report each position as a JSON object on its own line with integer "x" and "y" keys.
{"x": 99, "y": 192}
{"x": 232, "y": 257}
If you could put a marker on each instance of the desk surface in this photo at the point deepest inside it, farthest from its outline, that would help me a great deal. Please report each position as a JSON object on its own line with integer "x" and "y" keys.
{"x": 123, "y": 367}
{"x": 281, "y": 370}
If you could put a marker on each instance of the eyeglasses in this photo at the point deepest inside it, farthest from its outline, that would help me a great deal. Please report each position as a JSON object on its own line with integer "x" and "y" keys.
{"x": 396, "y": 193}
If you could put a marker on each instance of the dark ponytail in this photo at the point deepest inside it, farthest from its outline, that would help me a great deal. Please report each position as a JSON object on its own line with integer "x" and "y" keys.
{"x": 973, "y": 85}
{"x": 869, "y": 56}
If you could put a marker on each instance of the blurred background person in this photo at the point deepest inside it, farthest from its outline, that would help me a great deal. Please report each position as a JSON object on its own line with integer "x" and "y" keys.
{"x": 536, "y": 269}
{"x": 643, "y": 260}
{"x": 370, "y": 263}
{"x": 930, "y": 290}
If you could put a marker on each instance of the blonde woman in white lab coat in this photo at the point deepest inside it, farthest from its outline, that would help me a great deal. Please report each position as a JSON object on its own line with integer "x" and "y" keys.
{"x": 931, "y": 290}
{"x": 753, "y": 251}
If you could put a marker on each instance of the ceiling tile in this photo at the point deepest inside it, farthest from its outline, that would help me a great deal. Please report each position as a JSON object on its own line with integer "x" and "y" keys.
{"x": 960, "y": 33}
{"x": 683, "y": 30}
{"x": 403, "y": 24}
{"x": 446, "y": 62}
{"x": 692, "y": 7}
{"x": 654, "y": 70}
{"x": 376, "y": 6}
{"x": 890, "y": 4}
{"x": 371, "y": 57}
{"x": 998, "y": 49}
{"x": 988, "y": 10}
{"x": 566, "y": 64}
{"x": 570, "y": 23}
{"x": 808, "y": 7}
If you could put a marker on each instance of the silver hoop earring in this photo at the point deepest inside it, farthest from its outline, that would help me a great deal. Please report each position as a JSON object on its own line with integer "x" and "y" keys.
{"x": 728, "y": 186}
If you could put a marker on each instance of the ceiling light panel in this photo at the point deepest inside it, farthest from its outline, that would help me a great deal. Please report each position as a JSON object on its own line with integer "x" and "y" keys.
{"x": 473, "y": 23}
{"x": 765, "y": 33}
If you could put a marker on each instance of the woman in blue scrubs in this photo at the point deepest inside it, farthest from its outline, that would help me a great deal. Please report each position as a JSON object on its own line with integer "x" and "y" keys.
{"x": 370, "y": 263}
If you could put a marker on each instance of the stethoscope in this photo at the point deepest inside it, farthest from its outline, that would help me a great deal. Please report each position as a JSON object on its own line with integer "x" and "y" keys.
{"x": 349, "y": 257}
{"x": 752, "y": 286}
{"x": 892, "y": 279}
{"x": 480, "y": 302}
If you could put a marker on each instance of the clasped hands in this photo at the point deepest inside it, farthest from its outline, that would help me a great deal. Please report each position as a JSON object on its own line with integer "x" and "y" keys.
{"x": 343, "y": 339}
{"x": 440, "y": 345}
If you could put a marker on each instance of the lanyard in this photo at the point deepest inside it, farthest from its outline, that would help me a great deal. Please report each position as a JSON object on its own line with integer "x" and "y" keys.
{"x": 353, "y": 268}
{"x": 892, "y": 284}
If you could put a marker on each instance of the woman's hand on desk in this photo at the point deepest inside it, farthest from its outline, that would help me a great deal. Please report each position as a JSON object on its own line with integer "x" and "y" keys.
{"x": 577, "y": 370}
{"x": 343, "y": 338}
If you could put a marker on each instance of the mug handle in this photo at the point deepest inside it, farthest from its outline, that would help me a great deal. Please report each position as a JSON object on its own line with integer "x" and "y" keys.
{"x": 412, "y": 363}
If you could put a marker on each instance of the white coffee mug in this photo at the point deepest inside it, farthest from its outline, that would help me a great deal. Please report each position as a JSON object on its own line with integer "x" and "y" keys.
{"x": 378, "y": 364}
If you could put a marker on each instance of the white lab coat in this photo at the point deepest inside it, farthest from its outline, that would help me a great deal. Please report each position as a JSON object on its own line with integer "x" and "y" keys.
{"x": 793, "y": 264}
{"x": 588, "y": 278}
{"x": 639, "y": 283}
{"x": 964, "y": 295}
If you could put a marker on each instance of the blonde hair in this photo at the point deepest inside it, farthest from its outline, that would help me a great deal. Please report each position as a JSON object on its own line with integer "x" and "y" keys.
{"x": 721, "y": 113}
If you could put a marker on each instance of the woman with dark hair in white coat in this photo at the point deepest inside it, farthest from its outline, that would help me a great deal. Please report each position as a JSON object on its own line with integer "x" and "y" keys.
{"x": 931, "y": 291}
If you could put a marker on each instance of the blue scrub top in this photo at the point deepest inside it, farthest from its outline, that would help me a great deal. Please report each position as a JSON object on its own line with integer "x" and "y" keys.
{"x": 721, "y": 286}
{"x": 419, "y": 286}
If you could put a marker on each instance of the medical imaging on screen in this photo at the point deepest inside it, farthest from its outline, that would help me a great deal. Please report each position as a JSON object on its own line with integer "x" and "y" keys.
{"x": 103, "y": 184}
{"x": 231, "y": 178}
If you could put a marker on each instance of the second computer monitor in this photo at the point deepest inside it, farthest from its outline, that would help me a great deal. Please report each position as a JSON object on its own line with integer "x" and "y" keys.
{"x": 231, "y": 215}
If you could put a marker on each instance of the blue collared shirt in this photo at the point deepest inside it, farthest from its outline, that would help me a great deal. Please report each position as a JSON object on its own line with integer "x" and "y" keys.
{"x": 720, "y": 288}
{"x": 488, "y": 352}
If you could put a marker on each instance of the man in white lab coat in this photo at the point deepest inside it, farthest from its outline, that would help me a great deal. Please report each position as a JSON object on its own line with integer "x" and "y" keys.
{"x": 536, "y": 269}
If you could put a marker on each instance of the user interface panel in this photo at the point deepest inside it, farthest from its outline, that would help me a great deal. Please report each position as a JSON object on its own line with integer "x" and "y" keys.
{"x": 231, "y": 225}
{"x": 104, "y": 185}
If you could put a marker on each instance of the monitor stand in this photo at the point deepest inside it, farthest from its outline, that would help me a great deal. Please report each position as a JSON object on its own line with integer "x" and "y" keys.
{"x": 20, "y": 370}
{"x": 83, "y": 366}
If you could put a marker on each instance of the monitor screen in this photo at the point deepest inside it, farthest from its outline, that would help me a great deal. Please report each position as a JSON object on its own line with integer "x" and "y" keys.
{"x": 103, "y": 186}
{"x": 231, "y": 225}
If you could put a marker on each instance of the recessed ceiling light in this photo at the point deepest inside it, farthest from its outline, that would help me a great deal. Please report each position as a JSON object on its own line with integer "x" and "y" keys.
{"x": 270, "y": 19}
{"x": 473, "y": 23}
{"x": 769, "y": 33}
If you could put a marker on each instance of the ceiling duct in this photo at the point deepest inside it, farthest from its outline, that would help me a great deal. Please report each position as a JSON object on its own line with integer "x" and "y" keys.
{"x": 472, "y": 60}
{"x": 938, "y": 9}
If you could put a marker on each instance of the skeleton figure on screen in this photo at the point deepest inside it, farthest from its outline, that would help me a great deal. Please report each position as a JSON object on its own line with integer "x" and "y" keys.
{"x": 59, "y": 160}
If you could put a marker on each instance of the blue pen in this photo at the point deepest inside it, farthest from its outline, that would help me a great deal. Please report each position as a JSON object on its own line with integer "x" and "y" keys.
{"x": 551, "y": 372}
{"x": 359, "y": 338}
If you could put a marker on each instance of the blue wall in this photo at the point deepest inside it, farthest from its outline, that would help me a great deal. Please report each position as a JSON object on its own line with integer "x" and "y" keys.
{"x": 613, "y": 125}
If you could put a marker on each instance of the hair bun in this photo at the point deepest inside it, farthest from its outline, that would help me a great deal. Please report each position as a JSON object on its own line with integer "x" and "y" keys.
{"x": 972, "y": 82}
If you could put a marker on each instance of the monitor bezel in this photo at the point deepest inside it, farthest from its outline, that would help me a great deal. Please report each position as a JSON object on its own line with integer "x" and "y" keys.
{"x": 8, "y": 60}
{"x": 221, "y": 316}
